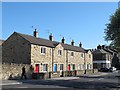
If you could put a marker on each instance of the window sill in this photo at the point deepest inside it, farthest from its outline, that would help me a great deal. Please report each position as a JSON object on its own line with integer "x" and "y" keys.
{"x": 45, "y": 71}
{"x": 43, "y": 53}
{"x": 55, "y": 73}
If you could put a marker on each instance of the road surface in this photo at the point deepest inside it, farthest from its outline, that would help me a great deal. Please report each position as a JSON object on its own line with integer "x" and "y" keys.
{"x": 102, "y": 81}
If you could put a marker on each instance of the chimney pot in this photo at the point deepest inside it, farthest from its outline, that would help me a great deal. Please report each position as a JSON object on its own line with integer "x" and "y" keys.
{"x": 35, "y": 33}
{"x": 51, "y": 37}
{"x": 98, "y": 47}
{"x": 80, "y": 45}
{"x": 63, "y": 40}
{"x": 72, "y": 43}
{"x": 103, "y": 46}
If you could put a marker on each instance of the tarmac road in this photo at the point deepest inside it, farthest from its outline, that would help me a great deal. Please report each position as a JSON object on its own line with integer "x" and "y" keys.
{"x": 100, "y": 81}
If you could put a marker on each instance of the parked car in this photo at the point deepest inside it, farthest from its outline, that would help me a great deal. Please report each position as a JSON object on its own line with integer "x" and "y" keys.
{"x": 104, "y": 69}
{"x": 112, "y": 69}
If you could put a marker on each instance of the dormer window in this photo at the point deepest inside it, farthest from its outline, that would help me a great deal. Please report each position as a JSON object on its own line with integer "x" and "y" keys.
{"x": 59, "y": 52}
{"x": 43, "y": 50}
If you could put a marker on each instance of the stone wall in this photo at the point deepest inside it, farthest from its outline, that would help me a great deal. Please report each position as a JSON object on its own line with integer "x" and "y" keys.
{"x": 54, "y": 75}
{"x": 89, "y": 59}
{"x": 13, "y": 71}
{"x": 60, "y": 59}
{"x": 0, "y": 61}
{"x": 76, "y": 59}
{"x": 16, "y": 50}
{"x": 80, "y": 72}
{"x": 1, "y": 41}
{"x": 40, "y": 58}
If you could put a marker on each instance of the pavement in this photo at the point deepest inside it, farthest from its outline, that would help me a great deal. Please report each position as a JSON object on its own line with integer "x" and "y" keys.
{"x": 83, "y": 75}
{"x": 95, "y": 74}
{"x": 10, "y": 82}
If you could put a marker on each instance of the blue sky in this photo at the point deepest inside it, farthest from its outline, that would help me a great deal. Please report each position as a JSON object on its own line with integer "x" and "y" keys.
{"x": 83, "y": 22}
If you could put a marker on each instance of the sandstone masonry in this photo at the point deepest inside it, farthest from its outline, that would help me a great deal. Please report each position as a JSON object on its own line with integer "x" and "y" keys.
{"x": 43, "y": 55}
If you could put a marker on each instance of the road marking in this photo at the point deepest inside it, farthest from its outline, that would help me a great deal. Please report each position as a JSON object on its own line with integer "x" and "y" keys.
{"x": 100, "y": 78}
{"x": 10, "y": 83}
{"x": 22, "y": 87}
{"x": 91, "y": 80}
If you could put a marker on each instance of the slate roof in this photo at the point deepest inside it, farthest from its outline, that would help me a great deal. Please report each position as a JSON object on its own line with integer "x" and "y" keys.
{"x": 110, "y": 51}
{"x": 38, "y": 41}
{"x": 73, "y": 48}
{"x": 88, "y": 50}
{"x": 114, "y": 50}
{"x": 100, "y": 51}
{"x": 48, "y": 43}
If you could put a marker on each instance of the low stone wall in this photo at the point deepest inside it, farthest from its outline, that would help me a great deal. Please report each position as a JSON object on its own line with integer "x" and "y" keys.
{"x": 72, "y": 73}
{"x": 88, "y": 71}
{"x": 54, "y": 74}
{"x": 80, "y": 72}
{"x": 95, "y": 70}
{"x": 13, "y": 71}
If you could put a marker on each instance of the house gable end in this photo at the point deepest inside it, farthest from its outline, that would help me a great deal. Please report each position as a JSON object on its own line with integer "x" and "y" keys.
{"x": 16, "y": 50}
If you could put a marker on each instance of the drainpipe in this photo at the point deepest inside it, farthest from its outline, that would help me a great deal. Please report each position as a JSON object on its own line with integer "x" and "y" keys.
{"x": 52, "y": 58}
{"x": 84, "y": 62}
{"x": 66, "y": 60}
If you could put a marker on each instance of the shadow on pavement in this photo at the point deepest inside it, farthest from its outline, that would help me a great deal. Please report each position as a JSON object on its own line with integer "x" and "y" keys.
{"x": 74, "y": 84}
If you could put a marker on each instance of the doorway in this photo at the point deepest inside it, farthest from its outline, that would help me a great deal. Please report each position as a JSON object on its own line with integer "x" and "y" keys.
{"x": 69, "y": 67}
{"x": 36, "y": 68}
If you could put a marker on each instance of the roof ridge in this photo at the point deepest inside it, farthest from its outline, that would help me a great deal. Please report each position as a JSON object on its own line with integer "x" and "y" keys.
{"x": 49, "y": 40}
{"x": 49, "y": 43}
{"x": 32, "y": 36}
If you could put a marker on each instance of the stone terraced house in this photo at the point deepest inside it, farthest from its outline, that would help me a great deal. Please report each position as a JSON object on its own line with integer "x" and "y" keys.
{"x": 105, "y": 56}
{"x": 1, "y": 41}
{"x": 45, "y": 55}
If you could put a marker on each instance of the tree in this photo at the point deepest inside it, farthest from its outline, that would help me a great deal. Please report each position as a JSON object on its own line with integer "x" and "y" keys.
{"x": 112, "y": 31}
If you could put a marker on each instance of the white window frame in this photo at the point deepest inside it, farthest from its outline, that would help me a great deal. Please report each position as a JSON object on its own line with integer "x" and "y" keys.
{"x": 62, "y": 67}
{"x": 79, "y": 66}
{"x": 72, "y": 67}
{"x": 72, "y": 54}
{"x": 82, "y": 55}
{"x": 59, "y": 52}
{"x": 90, "y": 66}
{"x": 45, "y": 69}
{"x": 43, "y": 50}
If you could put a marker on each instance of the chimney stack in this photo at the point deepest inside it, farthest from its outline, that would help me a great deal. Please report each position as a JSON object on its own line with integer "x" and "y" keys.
{"x": 35, "y": 33}
{"x": 51, "y": 37}
{"x": 99, "y": 47}
{"x": 80, "y": 45}
{"x": 72, "y": 43}
{"x": 63, "y": 40}
{"x": 103, "y": 46}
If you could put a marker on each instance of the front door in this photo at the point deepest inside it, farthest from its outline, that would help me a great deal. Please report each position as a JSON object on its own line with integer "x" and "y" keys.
{"x": 37, "y": 68}
{"x": 55, "y": 67}
{"x": 69, "y": 67}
